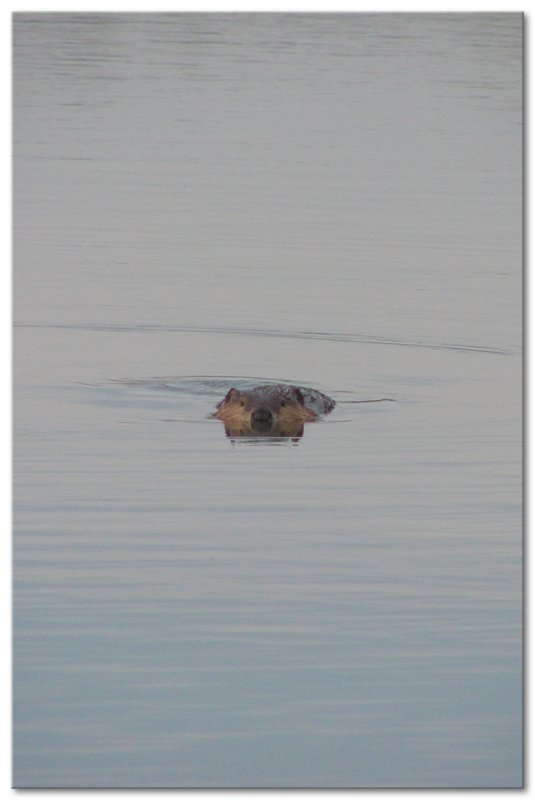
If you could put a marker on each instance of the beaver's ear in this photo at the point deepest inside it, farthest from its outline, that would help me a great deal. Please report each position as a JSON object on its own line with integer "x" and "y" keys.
{"x": 232, "y": 395}
{"x": 299, "y": 395}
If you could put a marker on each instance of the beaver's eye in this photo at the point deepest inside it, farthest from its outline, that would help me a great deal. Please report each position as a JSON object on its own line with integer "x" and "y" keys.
{"x": 283, "y": 402}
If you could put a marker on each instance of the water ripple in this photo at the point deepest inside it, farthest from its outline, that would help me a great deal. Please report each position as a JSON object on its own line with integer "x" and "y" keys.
{"x": 354, "y": 338}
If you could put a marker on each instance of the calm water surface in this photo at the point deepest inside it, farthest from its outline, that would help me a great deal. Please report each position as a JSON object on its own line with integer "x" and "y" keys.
{"x": 212, "y": 200}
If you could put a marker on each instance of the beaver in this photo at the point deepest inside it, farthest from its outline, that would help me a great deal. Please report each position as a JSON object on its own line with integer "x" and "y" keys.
{"x": 274, "y": 409}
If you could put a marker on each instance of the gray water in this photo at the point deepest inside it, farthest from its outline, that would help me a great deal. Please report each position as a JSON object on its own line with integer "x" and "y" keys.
{"x": 203, "y": 201}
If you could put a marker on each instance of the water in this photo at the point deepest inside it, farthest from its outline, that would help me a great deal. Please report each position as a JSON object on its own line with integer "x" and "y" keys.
{"x": 203, "y": 201}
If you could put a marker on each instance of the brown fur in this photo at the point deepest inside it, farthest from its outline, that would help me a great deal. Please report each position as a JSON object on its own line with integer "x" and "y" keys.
{"x": 274, "y": 407}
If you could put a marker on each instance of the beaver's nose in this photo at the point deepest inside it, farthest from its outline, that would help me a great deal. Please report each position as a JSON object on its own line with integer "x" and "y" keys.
{"x": 261, "y": 415}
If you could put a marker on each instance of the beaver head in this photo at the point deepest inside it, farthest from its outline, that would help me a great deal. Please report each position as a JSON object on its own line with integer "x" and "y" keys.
{"x": 265, "y": 408}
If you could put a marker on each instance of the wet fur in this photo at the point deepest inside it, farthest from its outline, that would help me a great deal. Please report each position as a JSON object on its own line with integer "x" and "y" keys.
{"x": 289, "y": 405}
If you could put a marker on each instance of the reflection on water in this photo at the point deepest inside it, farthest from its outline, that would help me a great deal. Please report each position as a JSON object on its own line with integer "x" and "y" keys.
{"x": 274, "y": 434}
{"x": 331, "y": 200}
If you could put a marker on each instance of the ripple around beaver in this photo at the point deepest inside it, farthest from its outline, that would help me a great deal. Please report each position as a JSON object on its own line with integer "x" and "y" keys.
{"x": 216, "y": 386}
{"x": 189, "y": 390}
